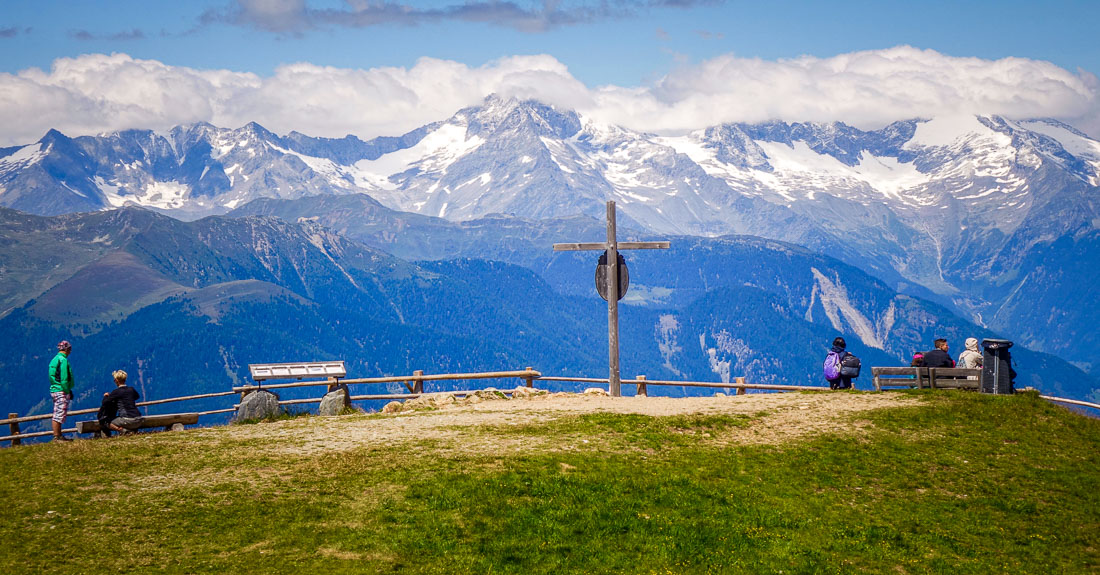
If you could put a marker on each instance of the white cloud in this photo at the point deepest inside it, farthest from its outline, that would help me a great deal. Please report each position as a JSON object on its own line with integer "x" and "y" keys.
{"x": 865, "y": 89}
{"x": 98, "y": 93}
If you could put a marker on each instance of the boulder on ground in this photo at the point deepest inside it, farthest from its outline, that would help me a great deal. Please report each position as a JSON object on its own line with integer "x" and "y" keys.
{"x": 258, "y": 405}
{"x": 430, "y": 401}
{"x": 334, "y": 402}
{"x": 596, "y": 391}
{"x": 442, "y": 399}
{"x": 489, "y": 394}
{"x": 522, "y": 392}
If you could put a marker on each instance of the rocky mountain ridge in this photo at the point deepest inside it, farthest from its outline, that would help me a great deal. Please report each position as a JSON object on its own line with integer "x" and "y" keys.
{"x": 186, "y": 306}
{"x": 959, "y": 205}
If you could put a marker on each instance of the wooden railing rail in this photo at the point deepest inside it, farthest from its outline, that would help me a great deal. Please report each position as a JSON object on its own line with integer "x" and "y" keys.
{"x": 27, "y": 418}
{"x": 185, "y": 398}
{"x": 1071, "y": 401}
{"x": 739, "y": 383}
{"x": 390, "y": 396}
{"x": 13, "y": 420}
{"x": 14, "y": 439}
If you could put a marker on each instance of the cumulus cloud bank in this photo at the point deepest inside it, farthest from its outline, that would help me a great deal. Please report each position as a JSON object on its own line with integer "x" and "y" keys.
{"x": 101, "y": 93}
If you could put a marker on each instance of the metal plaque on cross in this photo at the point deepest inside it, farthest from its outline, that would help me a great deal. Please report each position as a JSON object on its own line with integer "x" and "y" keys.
{"x": 602, "y": 272}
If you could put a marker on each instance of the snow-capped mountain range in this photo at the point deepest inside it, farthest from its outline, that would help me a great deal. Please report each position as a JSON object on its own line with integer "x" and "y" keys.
{"x": 533, "y": 160}
{"x": 959, "y": 205}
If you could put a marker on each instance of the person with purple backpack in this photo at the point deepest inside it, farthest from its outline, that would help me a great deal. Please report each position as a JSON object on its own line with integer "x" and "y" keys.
{"x": 840, "y": 366}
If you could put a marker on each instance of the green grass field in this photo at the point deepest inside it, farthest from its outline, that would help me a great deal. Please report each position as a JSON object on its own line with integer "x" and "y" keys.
{"x": 962, "y": 483}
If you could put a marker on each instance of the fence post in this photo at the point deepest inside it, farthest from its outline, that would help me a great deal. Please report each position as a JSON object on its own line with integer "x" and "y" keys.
{"x": 418, "y": 384}
{"x": 14, "y": 427}
{"x": 642, "y": 389}
{"x": 740, "y": 381}
{"x": 530, "y": 379}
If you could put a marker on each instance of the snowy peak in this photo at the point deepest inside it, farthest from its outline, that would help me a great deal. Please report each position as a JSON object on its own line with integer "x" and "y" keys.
{"x": 837, "y": 140}
{"x": 734, "y": 147}
{"x": 509, "y": 114}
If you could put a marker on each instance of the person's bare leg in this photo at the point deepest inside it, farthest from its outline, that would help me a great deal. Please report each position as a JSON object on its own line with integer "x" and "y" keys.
{"x": 57, "y": 432}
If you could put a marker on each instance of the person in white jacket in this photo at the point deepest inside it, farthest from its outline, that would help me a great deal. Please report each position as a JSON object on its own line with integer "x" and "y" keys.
{"x": 970, "y": 358}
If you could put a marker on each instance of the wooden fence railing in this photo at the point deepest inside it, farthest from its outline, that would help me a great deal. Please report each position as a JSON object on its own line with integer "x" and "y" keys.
{"x": 414, "y": 382}
{"x": 14, "y": 420}
{"x": 883, "y": 377}
{"x": 738, "y": 384}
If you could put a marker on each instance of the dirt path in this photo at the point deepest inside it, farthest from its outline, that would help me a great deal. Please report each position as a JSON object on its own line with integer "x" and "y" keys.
{"x": 780, "y": 417}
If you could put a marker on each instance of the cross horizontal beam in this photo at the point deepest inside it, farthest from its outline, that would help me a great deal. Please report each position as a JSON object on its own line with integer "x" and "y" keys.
{"x": 603, "y": 246}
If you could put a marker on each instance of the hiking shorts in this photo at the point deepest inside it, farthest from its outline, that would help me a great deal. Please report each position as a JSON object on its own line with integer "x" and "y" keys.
{"x": 60, "y": 405}
{"x": 130, "y": 423}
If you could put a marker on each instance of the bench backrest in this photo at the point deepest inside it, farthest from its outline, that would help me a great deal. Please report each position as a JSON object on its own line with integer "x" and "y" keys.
{"x": 299, "y": 370}
{"x": 919, "y": 377}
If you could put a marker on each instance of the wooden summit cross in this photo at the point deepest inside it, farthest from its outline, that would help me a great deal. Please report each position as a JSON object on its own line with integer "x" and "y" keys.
{"x": 612, "y": 246}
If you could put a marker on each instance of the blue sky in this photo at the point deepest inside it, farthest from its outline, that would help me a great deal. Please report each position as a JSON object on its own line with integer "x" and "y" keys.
{"x": 636, "y": 45}
{"x": 333, "y": 67}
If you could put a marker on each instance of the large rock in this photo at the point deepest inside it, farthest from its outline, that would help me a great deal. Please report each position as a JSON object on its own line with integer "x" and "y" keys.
{"x": 444, "y": 399}
{"x": 522, "y": 392}
{"x": 334, "y": 402}
{"x": 431, "y": 401}
{"x": 258, "y": 405}
{"x": 488, "y": 394}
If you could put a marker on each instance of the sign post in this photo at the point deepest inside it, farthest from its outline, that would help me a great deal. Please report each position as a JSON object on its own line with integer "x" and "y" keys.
{"x": 612, "y": 246}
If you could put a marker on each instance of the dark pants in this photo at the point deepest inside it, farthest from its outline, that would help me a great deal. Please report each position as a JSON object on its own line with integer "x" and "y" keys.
{"x": 840, "y": 383}
{"x": 130, "y": 423}
{"x": 104, "y": 418}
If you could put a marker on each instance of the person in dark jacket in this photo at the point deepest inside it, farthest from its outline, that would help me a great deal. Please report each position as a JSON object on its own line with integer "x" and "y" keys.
{"x": 839, "y": 351}
{"x": 61, "y": 387}
{"x": 119, "y": 411}
{"x": 939, "y": 357}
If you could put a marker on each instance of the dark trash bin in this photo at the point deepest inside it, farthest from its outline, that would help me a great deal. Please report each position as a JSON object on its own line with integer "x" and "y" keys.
{"x": 998, "y": 377}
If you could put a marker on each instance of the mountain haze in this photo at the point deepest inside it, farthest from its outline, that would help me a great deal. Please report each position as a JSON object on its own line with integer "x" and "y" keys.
{"x": 992, "y": 217}
{"x": 186, "y": 306}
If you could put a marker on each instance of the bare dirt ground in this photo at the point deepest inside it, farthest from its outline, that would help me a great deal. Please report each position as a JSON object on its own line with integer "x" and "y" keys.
{"x": 467, "y": 429}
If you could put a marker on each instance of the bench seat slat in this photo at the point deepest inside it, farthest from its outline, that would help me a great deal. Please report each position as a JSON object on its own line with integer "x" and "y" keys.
{"x": 166, "y": 420}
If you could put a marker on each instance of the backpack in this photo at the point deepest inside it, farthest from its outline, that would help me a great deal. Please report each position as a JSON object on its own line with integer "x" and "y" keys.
{"x": 849, "y": 366}
{"x": 832, "y": 365}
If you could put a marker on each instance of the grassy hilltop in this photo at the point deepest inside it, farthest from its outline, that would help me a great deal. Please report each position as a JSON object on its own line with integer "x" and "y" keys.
{"x": 931, "y": 483}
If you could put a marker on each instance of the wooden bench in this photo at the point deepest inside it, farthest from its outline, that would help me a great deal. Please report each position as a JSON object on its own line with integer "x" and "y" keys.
{"x": 168, "y": 422}
{"x": 931, "y": 377}
{"x": 955, "y": 378}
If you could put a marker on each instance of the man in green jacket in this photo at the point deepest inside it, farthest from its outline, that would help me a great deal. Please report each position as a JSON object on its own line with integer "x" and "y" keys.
{"x": 61, "y": 388}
